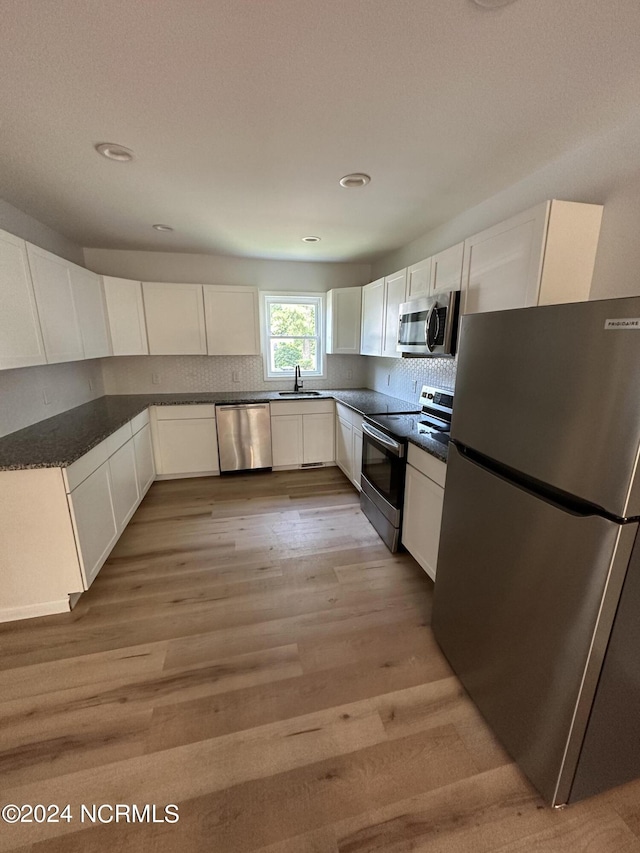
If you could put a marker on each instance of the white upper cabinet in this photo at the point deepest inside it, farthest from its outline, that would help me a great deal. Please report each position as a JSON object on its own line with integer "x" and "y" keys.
{"x": 21, "y": 342}
{"x": 372, "y": 318}
{"x": 543, "y": 256}
{"x": 92, "y": 315}
{"x": 446, "y": 270}
{"x": 395, "y": 293}
{"x": 126, "y": 316}
{"x": 232, "y": 318}
{"x": 56, "y": 306}
{"x": 418, "y": 279}
{"x": 175, "y": 318}
{"x": 344, "y": 309}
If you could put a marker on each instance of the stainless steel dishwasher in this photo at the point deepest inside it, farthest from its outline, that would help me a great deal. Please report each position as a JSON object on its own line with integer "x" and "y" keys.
{"x": 244, "y": 436}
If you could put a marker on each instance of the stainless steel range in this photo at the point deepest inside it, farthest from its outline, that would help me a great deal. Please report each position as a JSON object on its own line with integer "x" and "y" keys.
{"x": 384, "y": 458}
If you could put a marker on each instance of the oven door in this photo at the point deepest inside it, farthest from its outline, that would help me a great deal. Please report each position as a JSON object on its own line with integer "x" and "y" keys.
{"x": 383, "y": 466}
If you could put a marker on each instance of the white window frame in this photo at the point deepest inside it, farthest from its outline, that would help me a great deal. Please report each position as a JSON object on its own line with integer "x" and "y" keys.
{"x": 316, "y": 299}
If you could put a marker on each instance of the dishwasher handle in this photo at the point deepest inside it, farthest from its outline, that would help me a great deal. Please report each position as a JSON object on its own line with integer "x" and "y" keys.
{"x": 243, "y": 406}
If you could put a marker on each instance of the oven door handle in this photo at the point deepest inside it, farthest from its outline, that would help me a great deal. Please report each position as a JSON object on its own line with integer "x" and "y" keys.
{"x": 394, "y": 446}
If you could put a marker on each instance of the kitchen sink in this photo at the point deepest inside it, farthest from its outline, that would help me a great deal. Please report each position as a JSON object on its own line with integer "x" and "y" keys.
{"x": 299, "y": 393}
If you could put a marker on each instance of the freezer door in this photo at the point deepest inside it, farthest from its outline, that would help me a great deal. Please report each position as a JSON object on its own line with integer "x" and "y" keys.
{"x": 553, "y": 393}
{"x": 524, "y": 600}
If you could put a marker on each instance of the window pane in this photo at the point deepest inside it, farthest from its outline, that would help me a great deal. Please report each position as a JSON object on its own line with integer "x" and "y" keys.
{"x": 291, "y": 319}
{"x": 285, "y": 354}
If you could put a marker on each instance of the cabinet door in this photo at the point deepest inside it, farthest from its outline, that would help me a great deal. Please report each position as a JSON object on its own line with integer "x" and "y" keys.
{"x": 395, "y": 293}
{"x": 125, "y": 312}
{"x": 418, "y": 279}
{"x": 318, "y": 438}
{"x": 145, "y": 468}
{"x": 286, "y": 440}
{"x": 187, "y": 446}
{"x": 56, "y": 306}
{"x": 502, "y": 265}
{"x": 357, "y": 457}
{"x": 446, "y": 270}
{"x": 175, "y": 318}
{"x": 92, "y": 315}
{"x": 20, "y": 337}
{"x": 423, "y": 500}
{"x": 94, "y": 521}
{"x": 232, "y": 317}
{"x": 344, "y": 310}
{"x": 372, "y": 318}
{"x": 124, "y": 483}
{"x": 344, "y": 446}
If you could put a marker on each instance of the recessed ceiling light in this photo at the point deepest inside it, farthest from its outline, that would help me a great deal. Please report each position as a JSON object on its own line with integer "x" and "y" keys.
{"x": 311, "y": 239}
{"x": 162, "y": 227}
{"x": 354, "y": 180}
{"x": 113, "y": 151}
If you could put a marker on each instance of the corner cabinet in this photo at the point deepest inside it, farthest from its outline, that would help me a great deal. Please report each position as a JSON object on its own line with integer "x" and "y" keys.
{"x": 543, "y": 256}
{"x": 174, "y": 316}
{"x": 423, "y": 502}
{"x": 232, "y": 320}
{"x": 344, "y": 317}
{"x": 21, "y": 343}
{"x": 125, "y": 310}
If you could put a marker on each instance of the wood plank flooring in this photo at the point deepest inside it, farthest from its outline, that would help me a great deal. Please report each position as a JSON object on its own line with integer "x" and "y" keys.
{"x": 253, "y": 653}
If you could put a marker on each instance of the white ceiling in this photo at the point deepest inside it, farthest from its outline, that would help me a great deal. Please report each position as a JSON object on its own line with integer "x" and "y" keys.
{"x": 244, "y": 114}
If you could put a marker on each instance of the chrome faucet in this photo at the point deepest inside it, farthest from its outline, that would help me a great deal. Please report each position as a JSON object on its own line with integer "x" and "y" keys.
{"x": 298, "y": 383}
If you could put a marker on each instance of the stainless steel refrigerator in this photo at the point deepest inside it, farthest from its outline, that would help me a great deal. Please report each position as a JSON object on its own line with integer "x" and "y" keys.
{"x": 537, "y": 596}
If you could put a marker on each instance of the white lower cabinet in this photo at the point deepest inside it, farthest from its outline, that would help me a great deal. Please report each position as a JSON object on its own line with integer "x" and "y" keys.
{"x": 185, "y": 440}
{"x": 302, "y": 433}
{"x": 145, "y": 466}
{"x": 124, "y": 483}
{"x": 423, "y": 500}
{"x": 94, "y": 521}
{"x": 349, "y": 443}
{"x": 286, "y": 440}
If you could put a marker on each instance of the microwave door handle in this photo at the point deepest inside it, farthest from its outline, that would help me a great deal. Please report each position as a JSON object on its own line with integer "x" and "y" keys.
{"x": 379, "y": 437}
{"x": 431, "y": 339}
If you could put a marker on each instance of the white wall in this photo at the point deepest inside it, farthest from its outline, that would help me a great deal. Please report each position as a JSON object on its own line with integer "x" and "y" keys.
{"x": 223, "y": 269}
{"x": 22, "y": 225}
{"x": 604, "y": 170}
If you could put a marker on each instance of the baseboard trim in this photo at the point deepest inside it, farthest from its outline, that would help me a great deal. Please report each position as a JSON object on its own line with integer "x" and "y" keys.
{"x": 29, "y": 611}
{"x": 187, "y": 476}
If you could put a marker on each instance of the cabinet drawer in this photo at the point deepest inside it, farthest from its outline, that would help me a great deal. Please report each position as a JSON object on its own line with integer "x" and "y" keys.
{"x": 191, "y": 410}
{"x": 302, "y": 407}
{"x": 139, "y": 421}
{"x": 427, "y": 464}
{"x": 79, "y": 470}
{"x": 118, "y": 438}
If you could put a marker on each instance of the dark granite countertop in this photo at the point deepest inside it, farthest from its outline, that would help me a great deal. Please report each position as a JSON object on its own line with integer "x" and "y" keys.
{"x": 408, "y": 426}
{"x": 58, "y": 441}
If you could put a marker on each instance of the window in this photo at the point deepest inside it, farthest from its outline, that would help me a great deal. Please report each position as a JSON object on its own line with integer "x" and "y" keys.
{"x": 293, "y": 328}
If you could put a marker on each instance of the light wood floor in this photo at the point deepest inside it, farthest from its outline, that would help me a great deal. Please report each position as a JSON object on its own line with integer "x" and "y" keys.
{"x": 253, "y": 653}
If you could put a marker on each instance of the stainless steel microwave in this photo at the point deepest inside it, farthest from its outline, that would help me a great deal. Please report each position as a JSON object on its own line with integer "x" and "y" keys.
{"x": 429, "y": 325}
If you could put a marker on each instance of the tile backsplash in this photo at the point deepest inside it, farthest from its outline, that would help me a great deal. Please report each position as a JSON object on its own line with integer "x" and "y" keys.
{"x": 174, "y": 374}
{"x": 395, "y": 376}
{"x": 31, "y": 394}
